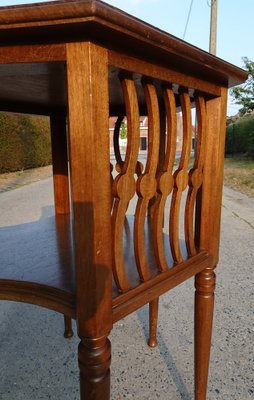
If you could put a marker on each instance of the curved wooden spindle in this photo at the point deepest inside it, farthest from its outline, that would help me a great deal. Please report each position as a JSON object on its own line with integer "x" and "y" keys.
{"x": 180, "y": 178}
{"x": 112, "y": 181}
{"x": 146, "y": 184}
{"x": 195, "y": 177}
{"x": 164, "y": 180}
{"x": 162, "y": 151}
{"x": 124, "y": 184}
{"x": 119, "y": 161}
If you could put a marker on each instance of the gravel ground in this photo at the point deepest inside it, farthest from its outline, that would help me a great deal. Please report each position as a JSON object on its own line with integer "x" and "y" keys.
{"x": 38, "y": 363}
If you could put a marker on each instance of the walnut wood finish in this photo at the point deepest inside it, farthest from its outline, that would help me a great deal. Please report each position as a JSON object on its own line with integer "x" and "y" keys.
{"x": 60, "y": 163}
{"x": 146, "y": 184}
{"x": 55, "y": 276}
{"x": 68, "y": 332}
{"x": 153, "y": 319}
{"x": 204, "y": 304}
{"x": 180, "y": 178}
{"x": 37, "y": 33}
{"x": 92, "y": 19}
{"x": 80, "y": 62}
{"x": 124, "y": 184}
{"x": 87, "y": 66}
{"x": 211, "y": 209}
{"x": 164, "y": 179}
{"x": 50, "y": 282}
{"x": 195, "y": 176}
{"x": 61, "y": 179}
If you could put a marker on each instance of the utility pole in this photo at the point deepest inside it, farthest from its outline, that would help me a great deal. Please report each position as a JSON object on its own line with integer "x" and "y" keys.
{"x": 213, "y": 27}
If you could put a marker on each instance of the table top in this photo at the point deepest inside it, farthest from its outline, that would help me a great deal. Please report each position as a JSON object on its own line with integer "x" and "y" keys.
{"x": 46, "y": 27}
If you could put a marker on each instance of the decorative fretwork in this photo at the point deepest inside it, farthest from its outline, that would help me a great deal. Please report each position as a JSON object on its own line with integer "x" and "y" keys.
{"x": 148, "y": 191}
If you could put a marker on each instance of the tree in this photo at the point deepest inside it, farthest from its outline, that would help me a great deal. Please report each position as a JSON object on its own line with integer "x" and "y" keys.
{"x": 244, "y": 94}
{"x": 123, "y": 131}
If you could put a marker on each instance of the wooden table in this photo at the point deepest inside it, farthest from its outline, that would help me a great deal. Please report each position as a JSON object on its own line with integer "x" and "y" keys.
{"x": 80, "y": 62}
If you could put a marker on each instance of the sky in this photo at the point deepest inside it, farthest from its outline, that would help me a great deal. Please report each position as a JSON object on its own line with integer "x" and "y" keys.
{"x": 235, "y": 26}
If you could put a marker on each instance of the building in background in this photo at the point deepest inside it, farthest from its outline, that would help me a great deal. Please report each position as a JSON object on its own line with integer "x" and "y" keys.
{"x": 143, "y": 124}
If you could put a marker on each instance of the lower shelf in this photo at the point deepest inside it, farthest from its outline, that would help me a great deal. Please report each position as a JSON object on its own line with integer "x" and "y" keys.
{"x": 37, "y": 264}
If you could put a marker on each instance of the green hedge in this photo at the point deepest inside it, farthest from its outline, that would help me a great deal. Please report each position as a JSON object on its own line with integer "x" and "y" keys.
{"x": 24, "y": 142}
{"x": 240, "y": 137}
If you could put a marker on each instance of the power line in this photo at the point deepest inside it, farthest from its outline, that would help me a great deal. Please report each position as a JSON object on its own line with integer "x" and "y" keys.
{"x": 188, "y": 18}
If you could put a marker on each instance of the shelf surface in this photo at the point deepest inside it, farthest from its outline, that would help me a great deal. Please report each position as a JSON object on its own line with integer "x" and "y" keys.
{"x": 37, "y": 263}
{"x": 39, "y": 252}
{"x": 42, "y": 253}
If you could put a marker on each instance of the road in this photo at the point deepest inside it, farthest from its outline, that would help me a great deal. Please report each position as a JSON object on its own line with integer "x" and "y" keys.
{"x": 38, "y": 363}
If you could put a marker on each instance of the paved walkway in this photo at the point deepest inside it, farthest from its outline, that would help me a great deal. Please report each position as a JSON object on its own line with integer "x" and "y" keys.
{"x": 38, "y": 363}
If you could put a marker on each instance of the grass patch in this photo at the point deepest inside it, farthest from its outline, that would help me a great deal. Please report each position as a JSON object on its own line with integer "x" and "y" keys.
{"x": 239, "y": 175}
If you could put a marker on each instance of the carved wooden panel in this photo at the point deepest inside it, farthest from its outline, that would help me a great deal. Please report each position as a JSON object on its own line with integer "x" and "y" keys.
{"x": 152, "y": 241}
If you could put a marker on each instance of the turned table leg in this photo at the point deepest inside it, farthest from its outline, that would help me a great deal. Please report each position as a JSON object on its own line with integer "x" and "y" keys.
{"x": 204, "y": 305}
{"x": 68, "y": 332}
{"x": 153, "y": 320}
{"x": 94, "y": 363}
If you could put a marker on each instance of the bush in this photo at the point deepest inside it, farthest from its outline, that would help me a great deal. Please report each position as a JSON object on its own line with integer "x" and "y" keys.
{"x": 240, "y": 137}
{"x": 24, "y": 142}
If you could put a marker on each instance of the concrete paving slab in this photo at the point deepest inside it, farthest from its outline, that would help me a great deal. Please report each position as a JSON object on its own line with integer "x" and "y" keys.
{"x": 240, "y": 205}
